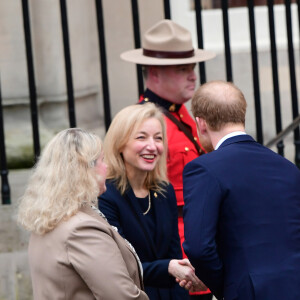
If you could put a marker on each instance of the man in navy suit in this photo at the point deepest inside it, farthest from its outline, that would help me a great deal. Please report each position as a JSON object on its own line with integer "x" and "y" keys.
{"x": 242, "y": 205}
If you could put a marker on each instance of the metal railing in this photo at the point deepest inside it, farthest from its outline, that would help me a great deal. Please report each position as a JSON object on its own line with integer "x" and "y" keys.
{"x": 281, "y": 134}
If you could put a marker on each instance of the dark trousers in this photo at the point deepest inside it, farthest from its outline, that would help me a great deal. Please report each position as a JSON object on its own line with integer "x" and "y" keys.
{"x": 201, "y": 297}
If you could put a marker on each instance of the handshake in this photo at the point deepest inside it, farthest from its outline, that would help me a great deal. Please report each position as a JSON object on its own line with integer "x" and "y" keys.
{"x": 185, "y": 275}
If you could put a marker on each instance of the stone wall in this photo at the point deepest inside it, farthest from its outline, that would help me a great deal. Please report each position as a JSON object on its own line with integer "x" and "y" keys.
{"x": 15, "y": 281}
{"x": 50, "y": 68}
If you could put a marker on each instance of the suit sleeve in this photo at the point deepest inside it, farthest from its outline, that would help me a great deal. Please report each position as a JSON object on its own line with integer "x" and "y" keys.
{"x": 97, "y": 259}
{"x": 202, "y": 197}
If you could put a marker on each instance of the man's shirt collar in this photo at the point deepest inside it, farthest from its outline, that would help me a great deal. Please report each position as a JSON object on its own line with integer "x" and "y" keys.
{"x": 227, "y": 136}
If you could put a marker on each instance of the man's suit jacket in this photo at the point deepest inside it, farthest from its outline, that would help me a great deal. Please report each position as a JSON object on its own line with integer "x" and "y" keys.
{"x": 242, "y": 221}
{"x": 84, "y": 258}
{"x": 155, "y": 249}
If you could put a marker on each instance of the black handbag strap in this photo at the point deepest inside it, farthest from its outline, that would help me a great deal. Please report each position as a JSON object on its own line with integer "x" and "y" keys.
{"x": 141, "y": 225}
{"x": 182, "y": 128}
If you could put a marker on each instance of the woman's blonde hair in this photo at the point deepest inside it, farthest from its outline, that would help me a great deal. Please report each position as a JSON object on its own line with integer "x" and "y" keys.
{"x": 124, "y": 124}
{"x": 62, "y": 181}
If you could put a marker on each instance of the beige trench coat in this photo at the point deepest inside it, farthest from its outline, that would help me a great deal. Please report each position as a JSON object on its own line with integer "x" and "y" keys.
{"x": 84, "y": 258}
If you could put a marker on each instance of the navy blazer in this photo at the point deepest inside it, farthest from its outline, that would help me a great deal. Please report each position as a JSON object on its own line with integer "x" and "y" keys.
{"x": 242, "y": 221}
{"x": 156, "y": 254}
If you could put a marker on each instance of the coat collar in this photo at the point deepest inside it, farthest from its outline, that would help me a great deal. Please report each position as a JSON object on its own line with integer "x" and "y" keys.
{"x": 237, "y": 139}
{"x": 149, "y": 96}
{"x": 87, "y": 209}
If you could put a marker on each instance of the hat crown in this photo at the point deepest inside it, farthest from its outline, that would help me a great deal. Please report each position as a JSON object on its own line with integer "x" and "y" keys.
{"x": 167, "y": 36}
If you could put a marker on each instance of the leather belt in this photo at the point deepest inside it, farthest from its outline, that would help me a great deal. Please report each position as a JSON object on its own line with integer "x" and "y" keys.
{"x": 180, "y": 211}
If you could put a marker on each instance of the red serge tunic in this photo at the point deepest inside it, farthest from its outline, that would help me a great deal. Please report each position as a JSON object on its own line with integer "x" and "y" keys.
{"x": 181, "y": 150}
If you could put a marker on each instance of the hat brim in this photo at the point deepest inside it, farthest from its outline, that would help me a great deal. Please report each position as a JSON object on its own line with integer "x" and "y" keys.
{"x": 136, "y": 56}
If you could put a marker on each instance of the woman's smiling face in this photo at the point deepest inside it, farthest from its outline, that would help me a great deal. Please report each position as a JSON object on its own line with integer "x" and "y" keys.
{"x": 144, "y": 148}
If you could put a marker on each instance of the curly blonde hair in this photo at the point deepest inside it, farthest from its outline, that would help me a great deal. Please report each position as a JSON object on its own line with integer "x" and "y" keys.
{"x": 63, "y": 180}
{"x": 124, "y": 124}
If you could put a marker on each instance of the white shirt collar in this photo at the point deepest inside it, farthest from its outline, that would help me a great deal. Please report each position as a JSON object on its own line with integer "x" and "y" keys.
{"x": 227, "y": 136}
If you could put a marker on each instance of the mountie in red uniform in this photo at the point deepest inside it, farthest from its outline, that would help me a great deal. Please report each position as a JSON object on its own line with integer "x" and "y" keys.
{"x": 181, "y": 149}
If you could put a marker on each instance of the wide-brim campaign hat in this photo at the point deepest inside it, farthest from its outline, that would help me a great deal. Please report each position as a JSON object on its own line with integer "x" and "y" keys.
{"x": 167, "y": 43}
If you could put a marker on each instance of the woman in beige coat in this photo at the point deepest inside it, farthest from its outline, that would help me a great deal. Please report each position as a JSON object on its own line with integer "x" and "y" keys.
{"x": 73, "y": 252}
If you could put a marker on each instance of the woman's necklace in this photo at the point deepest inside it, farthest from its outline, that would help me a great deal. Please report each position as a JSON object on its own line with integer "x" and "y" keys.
{"x": 149, "y": 204}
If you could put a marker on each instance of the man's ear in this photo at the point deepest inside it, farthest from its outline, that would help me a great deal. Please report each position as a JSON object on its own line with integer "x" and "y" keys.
{"x": 201, "y": 125}
{"x": 153, "y": 72}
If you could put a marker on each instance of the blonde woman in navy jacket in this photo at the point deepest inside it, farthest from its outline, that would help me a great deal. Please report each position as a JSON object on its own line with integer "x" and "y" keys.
{"x": 141, "y": 203}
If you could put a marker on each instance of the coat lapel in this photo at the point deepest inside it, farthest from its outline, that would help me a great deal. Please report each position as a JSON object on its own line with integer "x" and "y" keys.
{"x": 94, "y": 213}
{"x": 136, "y": 210}
{"x": 158, "y": 206}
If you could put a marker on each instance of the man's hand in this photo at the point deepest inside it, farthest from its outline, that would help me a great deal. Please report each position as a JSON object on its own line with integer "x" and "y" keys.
{"x": 185, "y": 275}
